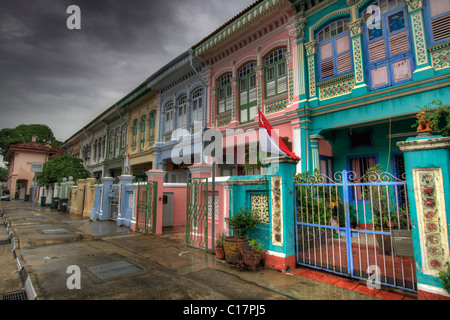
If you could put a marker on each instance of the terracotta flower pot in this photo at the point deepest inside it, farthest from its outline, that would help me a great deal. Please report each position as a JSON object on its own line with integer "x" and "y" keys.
{"x": 220, "y": 253}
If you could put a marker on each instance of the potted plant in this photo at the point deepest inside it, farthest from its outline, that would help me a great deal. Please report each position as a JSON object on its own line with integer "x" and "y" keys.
{"x": 240, "y": 223}
{"x": 444, "y": 275}
{"x": 251, "y": 254}
{"x": 219, "y": 249}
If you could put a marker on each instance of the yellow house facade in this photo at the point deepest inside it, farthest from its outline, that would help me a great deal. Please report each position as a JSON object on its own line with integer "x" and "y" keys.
{"x": 142, "y": 135}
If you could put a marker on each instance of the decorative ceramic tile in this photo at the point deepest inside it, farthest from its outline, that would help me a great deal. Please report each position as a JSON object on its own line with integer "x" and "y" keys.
{"x": 277, "y": 211}
{"x": 335, "y": 89}
{"x": 419, "y": 38}
{"x": 431, "y": 216}
{"x": 441, "y": 58}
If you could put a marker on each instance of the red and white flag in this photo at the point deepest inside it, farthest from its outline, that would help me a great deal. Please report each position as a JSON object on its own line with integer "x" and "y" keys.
{"x": 269, "y": 140}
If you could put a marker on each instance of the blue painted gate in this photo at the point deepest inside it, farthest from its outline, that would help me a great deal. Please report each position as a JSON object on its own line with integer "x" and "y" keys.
{"x": 345, "y": 225}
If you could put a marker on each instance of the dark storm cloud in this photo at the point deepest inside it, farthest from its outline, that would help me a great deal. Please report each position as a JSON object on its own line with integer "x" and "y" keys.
{"x": 65, "y": 78}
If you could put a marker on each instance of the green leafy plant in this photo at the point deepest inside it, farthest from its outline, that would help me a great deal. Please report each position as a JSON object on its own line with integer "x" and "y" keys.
{"x": 62, "y": 167}
{"x": 257, "y": 246}
{"x": 439, "y": 116}
{"x": 220, "y": 239}
{"x": 444, "y": 275}
{"x": 242, "y": 221}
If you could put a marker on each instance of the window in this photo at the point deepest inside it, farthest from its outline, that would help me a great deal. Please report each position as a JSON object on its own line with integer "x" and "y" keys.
{"x": 224, "y": 98}
{"x": 247, "y": 92}
{"x": 197, "y": 105}
{"x": 124, "y": 136}
{"x": 168, "y": 117}
{"x": 118, "y": 134}
{"x": 151, "y": 124}
{"x": 112, "y": 140}
{"x": 135, "y": 130}
{"x": 334, "y": 56}
{"x": 439, "y": 13}
{"x": 275, "y": 72}
{"x": 388, "y": 43}
{"x": 182, "y": 111}
{"x": 360, "y": 166}
{"x": 142, "y": 133}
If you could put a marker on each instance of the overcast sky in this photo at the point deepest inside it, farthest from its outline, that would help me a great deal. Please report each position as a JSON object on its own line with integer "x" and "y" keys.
{"x": 65, "y": 78}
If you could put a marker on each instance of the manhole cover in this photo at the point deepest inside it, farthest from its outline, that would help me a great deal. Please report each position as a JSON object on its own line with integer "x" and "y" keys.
{"x": 18, "y": 295}
{"x": 55, "y": 231}
{"x": 114, "y": 269}
{"x": 35, "y": 219}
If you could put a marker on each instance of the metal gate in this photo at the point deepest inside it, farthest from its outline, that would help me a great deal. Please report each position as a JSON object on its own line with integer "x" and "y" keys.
{"x": 349, "y": 226}
{"x": 197, "y": 213}
{"x": 114, "y": 196}
{"x": 147, "y": 193}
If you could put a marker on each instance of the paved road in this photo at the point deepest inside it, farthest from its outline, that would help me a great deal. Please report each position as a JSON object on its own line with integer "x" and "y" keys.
{"x": 115, "y": 263}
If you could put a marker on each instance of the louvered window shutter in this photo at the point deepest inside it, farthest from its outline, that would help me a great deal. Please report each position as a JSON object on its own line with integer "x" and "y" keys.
{"x": 440, "y": 15}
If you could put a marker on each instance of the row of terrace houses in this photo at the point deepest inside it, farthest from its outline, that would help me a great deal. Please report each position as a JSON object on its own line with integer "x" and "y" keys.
{"x": 339, "y": 79}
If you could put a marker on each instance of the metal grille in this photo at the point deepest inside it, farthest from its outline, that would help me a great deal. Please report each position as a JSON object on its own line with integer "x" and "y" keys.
{"x": 146, "y": 207}
{"x": 35, "y": 219}
{"x": 197, "y": 213}
{"x": 114, "y": 269}
{"x": 17, "y": 295}
{"x": 55, "y": 231}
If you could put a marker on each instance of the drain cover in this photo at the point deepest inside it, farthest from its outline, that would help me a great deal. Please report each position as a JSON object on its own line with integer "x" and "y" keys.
{"x": 35, "y": 219}
{"x": 114, "y": 269}
{"x": 18, "y": 295}
{"x": 55, "y": 231}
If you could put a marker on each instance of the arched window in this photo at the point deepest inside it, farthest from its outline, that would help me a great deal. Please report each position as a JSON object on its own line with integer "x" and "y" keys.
{"x": 247, "y": 92}
{"x": 142, "y": 133}
{"x": 224, "y": 92}
{"x": 182, "y": 111}
{"x": 135, "y": 130}
{"x": 118, "y": 135}
{"x": 112, "y": 140}
{"x": 388, "y": 46}
{"x": 275, "y": 71}
{"x": 151, "y": 124}
{"x": 124, "y": 136}
{"x": 168, "y": 116}
{"x": 197, "y": 104}
{"x": 334, "y": 54}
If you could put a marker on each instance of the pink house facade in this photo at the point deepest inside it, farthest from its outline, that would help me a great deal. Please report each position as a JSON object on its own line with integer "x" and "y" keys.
{"x": 251, "y": 63}
{"x": 20, "y": 158}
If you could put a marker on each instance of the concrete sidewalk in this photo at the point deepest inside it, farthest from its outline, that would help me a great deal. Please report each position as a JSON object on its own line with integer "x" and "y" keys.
{"x": 116, "y": 263}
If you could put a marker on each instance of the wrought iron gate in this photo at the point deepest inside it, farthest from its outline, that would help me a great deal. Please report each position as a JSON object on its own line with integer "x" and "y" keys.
{"x": 147, "y": 193}
{"x": 197, "y": 213}
{"x": 346, "y": 225}
{"x": 114, "y": 197}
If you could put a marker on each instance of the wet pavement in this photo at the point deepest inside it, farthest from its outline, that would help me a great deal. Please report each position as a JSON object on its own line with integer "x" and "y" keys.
{"x": 115, "y": 263}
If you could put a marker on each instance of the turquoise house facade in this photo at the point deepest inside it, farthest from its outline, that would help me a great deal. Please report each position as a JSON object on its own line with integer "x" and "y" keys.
{"x": 368, "y": 65}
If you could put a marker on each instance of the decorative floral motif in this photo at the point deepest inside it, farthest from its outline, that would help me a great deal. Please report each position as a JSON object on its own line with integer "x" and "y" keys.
{"x": 359, "y": 73}
{"x": 336, "y": 89}
{"x": 419, "y": 38}
{"x": 431, "y": 231}
{"x": 276, "y": 106}
{"x": 441, "y": 59}
{"x": 277, "y": 211}
{"x": 312, "y": 77}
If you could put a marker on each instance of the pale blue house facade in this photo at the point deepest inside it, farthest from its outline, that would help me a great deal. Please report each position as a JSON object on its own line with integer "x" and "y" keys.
{"x": 182, "y": 101}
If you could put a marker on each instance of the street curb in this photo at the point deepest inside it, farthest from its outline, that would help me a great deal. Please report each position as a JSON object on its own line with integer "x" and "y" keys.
{"x": 27, "y": 285}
